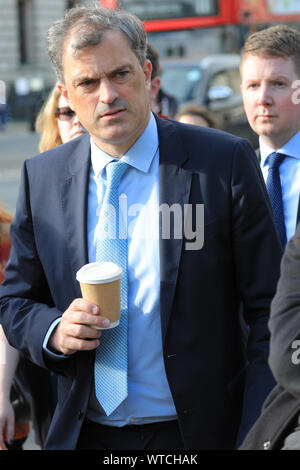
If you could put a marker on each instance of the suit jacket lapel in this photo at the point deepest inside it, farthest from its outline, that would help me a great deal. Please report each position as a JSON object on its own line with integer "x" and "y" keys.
{"x": 174, "y": 188}
{"x": 74, "y": 195}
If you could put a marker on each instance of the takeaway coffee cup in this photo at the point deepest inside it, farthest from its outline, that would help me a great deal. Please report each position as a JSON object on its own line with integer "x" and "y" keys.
{"x": 100, "y": 283}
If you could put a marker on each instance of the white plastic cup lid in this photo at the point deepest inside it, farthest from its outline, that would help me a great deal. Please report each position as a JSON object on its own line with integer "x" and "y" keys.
{"x": 100, "y": 272}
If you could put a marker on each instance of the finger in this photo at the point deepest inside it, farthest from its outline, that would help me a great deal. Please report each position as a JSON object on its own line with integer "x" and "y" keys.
{"x": 72, "y": 345}
{"x": 85, "y": 306}
{"x": 82, "y": 332}
{"x": 65, "y": 335}
{"x": 84, "y": 318}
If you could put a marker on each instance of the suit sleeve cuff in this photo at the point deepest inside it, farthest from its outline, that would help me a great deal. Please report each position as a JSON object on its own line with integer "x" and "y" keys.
{"x": 46, "y": 348}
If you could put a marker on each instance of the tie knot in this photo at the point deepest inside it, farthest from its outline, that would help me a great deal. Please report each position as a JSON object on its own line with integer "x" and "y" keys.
{"x": 275, "y": 160}
{"x": 114, "y": 172}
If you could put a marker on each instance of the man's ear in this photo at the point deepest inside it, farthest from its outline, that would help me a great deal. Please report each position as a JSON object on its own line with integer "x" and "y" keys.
{"x": 64, "y": 92}
{"x": 147, "y": 71}
{"x": 154, "y": 89}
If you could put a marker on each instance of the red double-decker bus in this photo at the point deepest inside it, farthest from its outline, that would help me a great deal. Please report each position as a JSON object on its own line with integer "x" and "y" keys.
{"x": 170, "y": 15}
{"x": 220, "y": 25}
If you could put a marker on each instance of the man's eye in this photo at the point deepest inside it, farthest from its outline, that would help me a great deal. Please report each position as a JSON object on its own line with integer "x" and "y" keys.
{"x": 122, "y": 73}
{"x": 87, "y": 83}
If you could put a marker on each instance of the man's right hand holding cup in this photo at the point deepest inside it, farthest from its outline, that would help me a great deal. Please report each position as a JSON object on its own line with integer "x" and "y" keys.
{"x": 77, "y": 329}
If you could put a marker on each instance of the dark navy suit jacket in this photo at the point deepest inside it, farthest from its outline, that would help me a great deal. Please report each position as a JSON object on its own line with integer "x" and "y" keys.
{"x": 218, "y": 377}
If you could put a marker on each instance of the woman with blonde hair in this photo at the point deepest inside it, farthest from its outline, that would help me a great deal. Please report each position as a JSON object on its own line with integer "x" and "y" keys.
{"x": 57, "y": 123}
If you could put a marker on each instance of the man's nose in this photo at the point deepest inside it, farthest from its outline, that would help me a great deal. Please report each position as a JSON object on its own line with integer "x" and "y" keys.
{"x": 107, "y": 92}
{"x": 264, "y": 95}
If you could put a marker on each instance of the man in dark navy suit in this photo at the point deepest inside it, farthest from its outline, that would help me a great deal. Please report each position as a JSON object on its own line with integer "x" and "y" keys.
{"x": 270, "y": 85}
{"x": 195, "y": 379}
{"x": 270, "y": 70}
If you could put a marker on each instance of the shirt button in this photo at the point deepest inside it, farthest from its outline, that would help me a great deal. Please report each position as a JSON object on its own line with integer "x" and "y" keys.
{"x": 267, "y": 445}
{"x": 123, "y": 196}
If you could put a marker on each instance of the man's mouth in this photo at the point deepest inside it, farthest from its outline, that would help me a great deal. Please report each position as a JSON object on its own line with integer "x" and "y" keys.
{"x": 266, "y": 116}
{"x": 113, "y": 113}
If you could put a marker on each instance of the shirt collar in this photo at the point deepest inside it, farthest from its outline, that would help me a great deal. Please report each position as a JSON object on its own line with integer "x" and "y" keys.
{"x": 139, "y": 156}
{"x": 290, "y": 148}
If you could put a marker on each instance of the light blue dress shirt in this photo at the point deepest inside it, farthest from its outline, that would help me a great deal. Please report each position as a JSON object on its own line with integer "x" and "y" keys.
{"x": 149, "y": 398}
{"x": 289, "y": 171}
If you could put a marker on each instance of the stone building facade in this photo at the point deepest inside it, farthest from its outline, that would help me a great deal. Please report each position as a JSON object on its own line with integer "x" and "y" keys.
{"x": 24, "y": 64}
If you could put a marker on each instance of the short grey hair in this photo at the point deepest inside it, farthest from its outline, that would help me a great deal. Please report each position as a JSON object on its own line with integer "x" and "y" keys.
{"x": 88, "y": 25}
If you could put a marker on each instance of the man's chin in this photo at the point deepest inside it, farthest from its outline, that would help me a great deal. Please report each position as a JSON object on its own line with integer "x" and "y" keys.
{"x": 266, "y": 130}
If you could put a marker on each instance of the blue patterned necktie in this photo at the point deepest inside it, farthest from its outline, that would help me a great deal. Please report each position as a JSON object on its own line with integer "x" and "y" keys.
{"x": 274, "y": 190}
{"x": 111, "y": 355}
